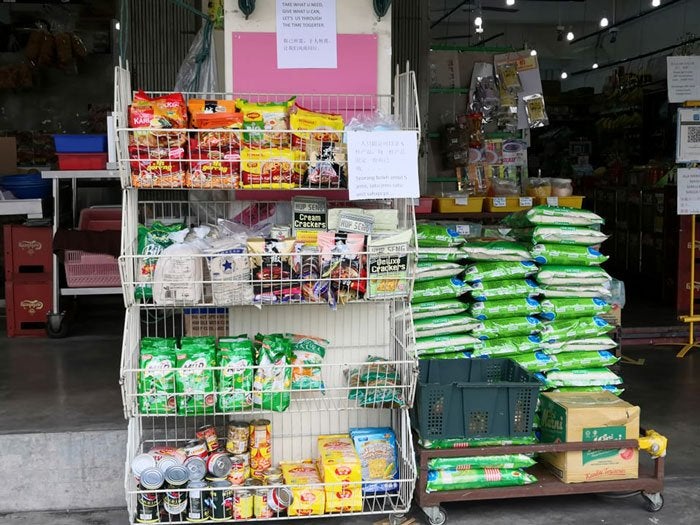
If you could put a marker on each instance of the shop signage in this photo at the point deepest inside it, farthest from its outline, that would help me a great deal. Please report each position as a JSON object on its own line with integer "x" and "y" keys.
{"x": 688, "y": 185}
{"x": 683, "y": 78}
{"x": 306, "y": 34}
{"x": 688, "y": 135}
{"x": 309, "y": 214}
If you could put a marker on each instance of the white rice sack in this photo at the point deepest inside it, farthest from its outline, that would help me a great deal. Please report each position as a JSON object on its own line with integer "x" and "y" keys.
{"x": 444, "y": 324}
{"x": 597, "y": 290}
{"x": 586, "y": 344}
{"x": 433, "y": 308}
{"x": 495, "y": 251}
{"x": 426, "y": 270}
{"x": 561, "y": 215}
{"x": 572, "y": 275}
{"x": 568, "y": 235}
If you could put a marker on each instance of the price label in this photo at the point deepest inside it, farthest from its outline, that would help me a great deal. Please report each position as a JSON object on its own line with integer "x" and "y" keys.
{"x": 462, "y": 201}
{"x": 525, "y": 202}
{"x": 463, "y": 229}
{"x": 499, "y": 202}
{"x": 552, "y": 201}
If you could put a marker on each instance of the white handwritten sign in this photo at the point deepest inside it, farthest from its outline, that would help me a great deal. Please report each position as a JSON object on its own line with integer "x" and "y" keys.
{"x": 688, "y": 191}
{"x": 683, "y": 78}
{"x": 306, "y": 34}
{"x": 383, "y": 165}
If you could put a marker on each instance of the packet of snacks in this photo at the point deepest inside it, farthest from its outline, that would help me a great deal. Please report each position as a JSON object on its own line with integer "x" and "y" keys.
{"x": 311, "y": 125}
{"x": 265, "y": 124}
{"x": 278, "y": 168}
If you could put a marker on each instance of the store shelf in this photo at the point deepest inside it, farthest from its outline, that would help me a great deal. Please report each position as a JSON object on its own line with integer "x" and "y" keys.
{"x": 29, "y": 207}
{"x": 91, "y": 291}
{"x": 331, "y": 194}
{"x": 80, "y": 174}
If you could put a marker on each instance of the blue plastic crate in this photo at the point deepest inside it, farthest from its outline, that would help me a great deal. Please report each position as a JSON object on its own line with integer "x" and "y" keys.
{"x": 80, "y": 143}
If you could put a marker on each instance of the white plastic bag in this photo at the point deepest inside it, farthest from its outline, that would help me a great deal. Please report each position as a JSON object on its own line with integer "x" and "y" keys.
{"x": 198, "y": 71}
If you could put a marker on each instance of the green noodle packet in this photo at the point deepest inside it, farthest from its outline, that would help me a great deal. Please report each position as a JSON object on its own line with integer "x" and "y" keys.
{"x": 505, "y": 461}
{"x": 496, "y": 441}
{"x": 439, "y": 480}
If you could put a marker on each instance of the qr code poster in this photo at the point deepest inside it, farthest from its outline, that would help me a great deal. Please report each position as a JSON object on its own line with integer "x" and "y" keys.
{"x": 688, "y": 191}
{"x": 688, "y": 138}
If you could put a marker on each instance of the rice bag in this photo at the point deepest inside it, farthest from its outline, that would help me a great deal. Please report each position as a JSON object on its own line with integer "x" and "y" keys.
{"x": 494, "y": 271}
{"x": 586, "y": 344}
{"x": 273, "y": 377}
{"x": 426, "y": 270}
{"x": 496, "y": 441}
{"x": 507, "y": 327}
{"x": 375, "y": 384}
{"x": 308, "y": 354}
{"x": 437, "y": 289}
{"x": 570, "y": 329}
{"x": 582, "y": 377}
{"x": 504, "y": 461}
{"x": 536, "y": 361}
{"x": 566, "y": 308}
{"x": 568, "y": 235}
{"x": 443, "y": 344}
{"x": 378, "y": 454}
{"x": 593, "y": 290}
{"x": 440, "y": 254}
{"x": 236, "y": 359}
{"x": 498, "y": 290}
{"x": 434, "y": 235}
{"x": 507, "y": 346}
{"x": 567, "y": 254}
{"x": 194, "y": 377}
{"x": 476, "y": 479}
{"x": 572, "y": 275}
{"x": 504, "y": 308}
{"x": 230, "y": 272}
{"x": 562, "y": 216}
{"x": 495, "y": 251}
{"x": 602, "y": 388}
{"x": 151, "y": 243}
{"x": 432, "y": 308}
{"x": 577, "y": 360}
{"x": 444, "y": 324}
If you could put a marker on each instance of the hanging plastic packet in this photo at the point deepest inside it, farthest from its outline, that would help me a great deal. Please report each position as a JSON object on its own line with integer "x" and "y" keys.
{"x": 534, "y": 108}
{"x": 508, "y": 76}
{"x": 484, "y": 97}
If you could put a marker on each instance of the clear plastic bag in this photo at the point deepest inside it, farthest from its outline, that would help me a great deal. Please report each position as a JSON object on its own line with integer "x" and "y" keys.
{"x": 198, "y": 71}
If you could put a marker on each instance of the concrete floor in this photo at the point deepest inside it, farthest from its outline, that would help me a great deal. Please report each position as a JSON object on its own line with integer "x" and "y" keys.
{"x": 72, "y": 384}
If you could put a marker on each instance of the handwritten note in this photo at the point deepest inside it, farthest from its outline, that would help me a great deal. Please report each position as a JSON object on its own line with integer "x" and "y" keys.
{"x": 383, "y": 165}
{"x": 688, "y": 191}
{"x": 683, "y": 78}
{"x": 306, "y": 34}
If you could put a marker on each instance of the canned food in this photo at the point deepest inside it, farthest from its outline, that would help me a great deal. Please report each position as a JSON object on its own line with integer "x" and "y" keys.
{"x": 273, "y": 476}
{"x": 141, "y": 463}
{"x": 160, "y": 452}
{"x": 260, "y": 461}
{"x": 279, "y": 498}
{"x": 221, "y": 500}
{"x": 147, "y": 510}
{"x": 252, "y": 483}
{"x": 166, "y": 462}
{"x": 238, "y": 436}
{"x": 197, "y": 509}
{"x": 260, "y": 507}
{"x": 260, "y": 433}
{"x": 196, "y": 447}
{"x": 237, "y": 473}
{"x": 175, "y": 501}
{"x": 219, "y": 464}
{"x": 197, "y": 467}
{"x": 242, "y": 504}
{"x": 208, "y": 434}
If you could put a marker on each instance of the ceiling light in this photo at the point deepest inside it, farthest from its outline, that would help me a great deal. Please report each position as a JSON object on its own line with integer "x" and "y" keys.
{"x": 117, "y": 26}
{"x": 604, "y": 22}
{"x": 595, "y": 65}
{"x": 564, "y": 75}
{"x": 570, "y": 36}
{"x": 655, "y": 3}
{"x": 533, "y": 52}
{"x": 510, "y": 2}
{"x": 478, "y": 21}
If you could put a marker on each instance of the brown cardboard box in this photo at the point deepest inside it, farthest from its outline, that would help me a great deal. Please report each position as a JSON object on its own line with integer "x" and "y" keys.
{"x": 589, "y": 416}
{"x": 8, "y": 156}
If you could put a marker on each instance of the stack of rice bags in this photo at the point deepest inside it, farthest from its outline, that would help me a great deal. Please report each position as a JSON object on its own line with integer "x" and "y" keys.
{"x": 440, "y": 318}
{"x": 478, "y": 472}
{"x": 575, "y": 350}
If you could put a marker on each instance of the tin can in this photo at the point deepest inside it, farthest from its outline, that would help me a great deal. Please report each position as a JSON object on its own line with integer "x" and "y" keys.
{"x": 196, "y": 447}
{"x": 260, "y": 461}
{"x": 166, "y": 462}
{"x": 273, "y": 476}
{"x": 161, "y": 451}
{"x": 242, "y": 504}
{"x": 147, "y": 508}
{"x": 197, "y": 509}
{"x": 279, "y": 498}
{"x": 175, "y": 501}
{"x": 141, "y": 463}
{"x": 197, "y": 467}
{"x": 237, "y": 473}
{"x": 221, "y": 500}
{"x": 238, "y": 435}
{"x": 252, "y": 483}
{"x": 219, "y": 464}
{"x": 208, "y": 434}
{"x": 260, "y": 433}
{"x": 260, "y": 507}
{"x": 246, "y": 463}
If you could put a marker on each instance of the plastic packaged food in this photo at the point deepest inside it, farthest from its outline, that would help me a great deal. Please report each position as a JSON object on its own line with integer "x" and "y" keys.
{"x": 273, "y": 376}
{"x": 308, "y": 354}
{"x": 536, "y": 361}
{"x": 572, "y": 275}
{"x": 598, "y": 290}
{"x": 435, "y": 236}
{"x": 494, "y": 271}
{"x": 570, "y": 329}
{"x": 536, "y": 113}
{"x": 562, "y": 188}
{"x": 195, "y": 379}
{"x": 498, "y": 290}
{"x": 433, "y": 308}
{"x": 440, "y": 254}
{"x": 570, "y": 307}
{"x": 236, "y": 359}
{"x": 495, "y": 251}
{"x": 505, "y": 461}
{"x": 437, "y": 289}
{"x": 507, "y": 346}
{"x": 375, "y": 384}
{"x": 378, "y": 454}
{"x": 583, "y": 377}
{"x": 519, "y": 306}
{"x": 272, "y": 117}
{"x": 156, "y": 387}
{"x": 507, "y": 327}
{"x": 568, "y": 235}
{"x": 497, "y": 441}
{"x": 304, "y": 481}
{"x": 447, "y": 324}
{"x": 567, "y": 255}
{"x": 501, "y": 187}
{"x": 426, "y": 270}
{"x": 585, "y": 344}
{"x": 578, "y": 360}
{"x": 445, "y": 344}
{"x": 539, "y": 187}
{"x": 476, "y": 479}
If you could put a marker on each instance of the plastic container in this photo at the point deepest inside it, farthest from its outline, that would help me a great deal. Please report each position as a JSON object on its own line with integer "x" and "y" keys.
{"x": 82, "y": 161}
{"x": 575, "y": 201}
{"x": 425, "y": 205}
{"x": 539, "y": 187}
{"x": 83, "y": 143}
{"x": 459, "y": 205}
{"x": 508, "y": 204}
{"x": 465, "y": 398}
{"x": 562, "y": 188}
{"x": 504, "y": 188}
{"x": 100, "y": 219}
{"x": 29, "y": 186}
{"x": 91, "y": 270}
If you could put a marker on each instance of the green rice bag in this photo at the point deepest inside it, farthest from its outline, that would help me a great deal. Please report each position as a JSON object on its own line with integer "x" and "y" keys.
{"x": 562, "y": 216}
{"x": 375, "y": 384}
{"x": 494, "y": 271}
{"x": 602, "y": 388}
{"x": 498, "y": 290}
{"x": 567, "y": 308}
{"x": 496, "y": 441}
{"x": 495, "y": 251}
{"x": 569, "y": 329}
{"x": 447, "y": 324}
{"x": 582, "y": 377}
{"x": 507, "y": 346}
{"x": 586, "y": 344}
{"x": 504, "y": 308}
{"x": 567, "y": 254}
{"x": 476, "y": 479}
{"x": 156, "y": 380}
{"x": 507, "y": 327}
{"x": 444, "y": 344}
{"x": 453, "y": 355}
{"x": 426, "y": 270}
{"x": 435, "y": 236}
{"x": 577, "y": 360}
{"x": 568, "y": 235}
{"x": 536, "y": 361}
{"x": 195, "y": 377}
{"x": 444, "y": 307}
{"x": 593, "y": 290}
{"x": 504, "y": 461}
{"x": 308, "y": 354}
{"x": 438, "y": 289}
{"x": 273, "y": 376}
{"x": 439, "y": 254}
{"x": 236, "y": 357}
{"x": 572, "y": 275}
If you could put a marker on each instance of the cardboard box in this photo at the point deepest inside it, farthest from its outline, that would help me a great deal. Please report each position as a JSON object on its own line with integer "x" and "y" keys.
{"x": 308, "y": 500}
{"x": 589, "y": 416}
{"x": 338, "y": 460}
{"x": 345, "y": 498}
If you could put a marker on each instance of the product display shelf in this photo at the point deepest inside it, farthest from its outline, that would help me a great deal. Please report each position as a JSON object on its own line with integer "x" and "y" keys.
{"x": 649, "y": 483}
{"x": 380, "y": 327}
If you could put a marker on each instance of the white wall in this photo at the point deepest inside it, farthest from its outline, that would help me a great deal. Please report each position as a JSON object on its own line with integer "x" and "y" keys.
{"x": 353, "y": 16}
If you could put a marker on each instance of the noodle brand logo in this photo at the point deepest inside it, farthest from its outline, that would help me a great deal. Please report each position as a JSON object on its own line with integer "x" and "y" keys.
{"x": 343, "y": 471}
{"x": 32, "y": 305}
{"x": 215, "y": 166}
{"x": 29, "y": 246}
{"x": 160, "y": 165}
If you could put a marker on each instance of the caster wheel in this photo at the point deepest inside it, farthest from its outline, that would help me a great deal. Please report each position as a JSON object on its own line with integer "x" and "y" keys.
{"x": 436, "y": 516}
{"x": 56, "y": 326}
{"x": 396, "y": 519}
{"x": 653, "y": 502}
